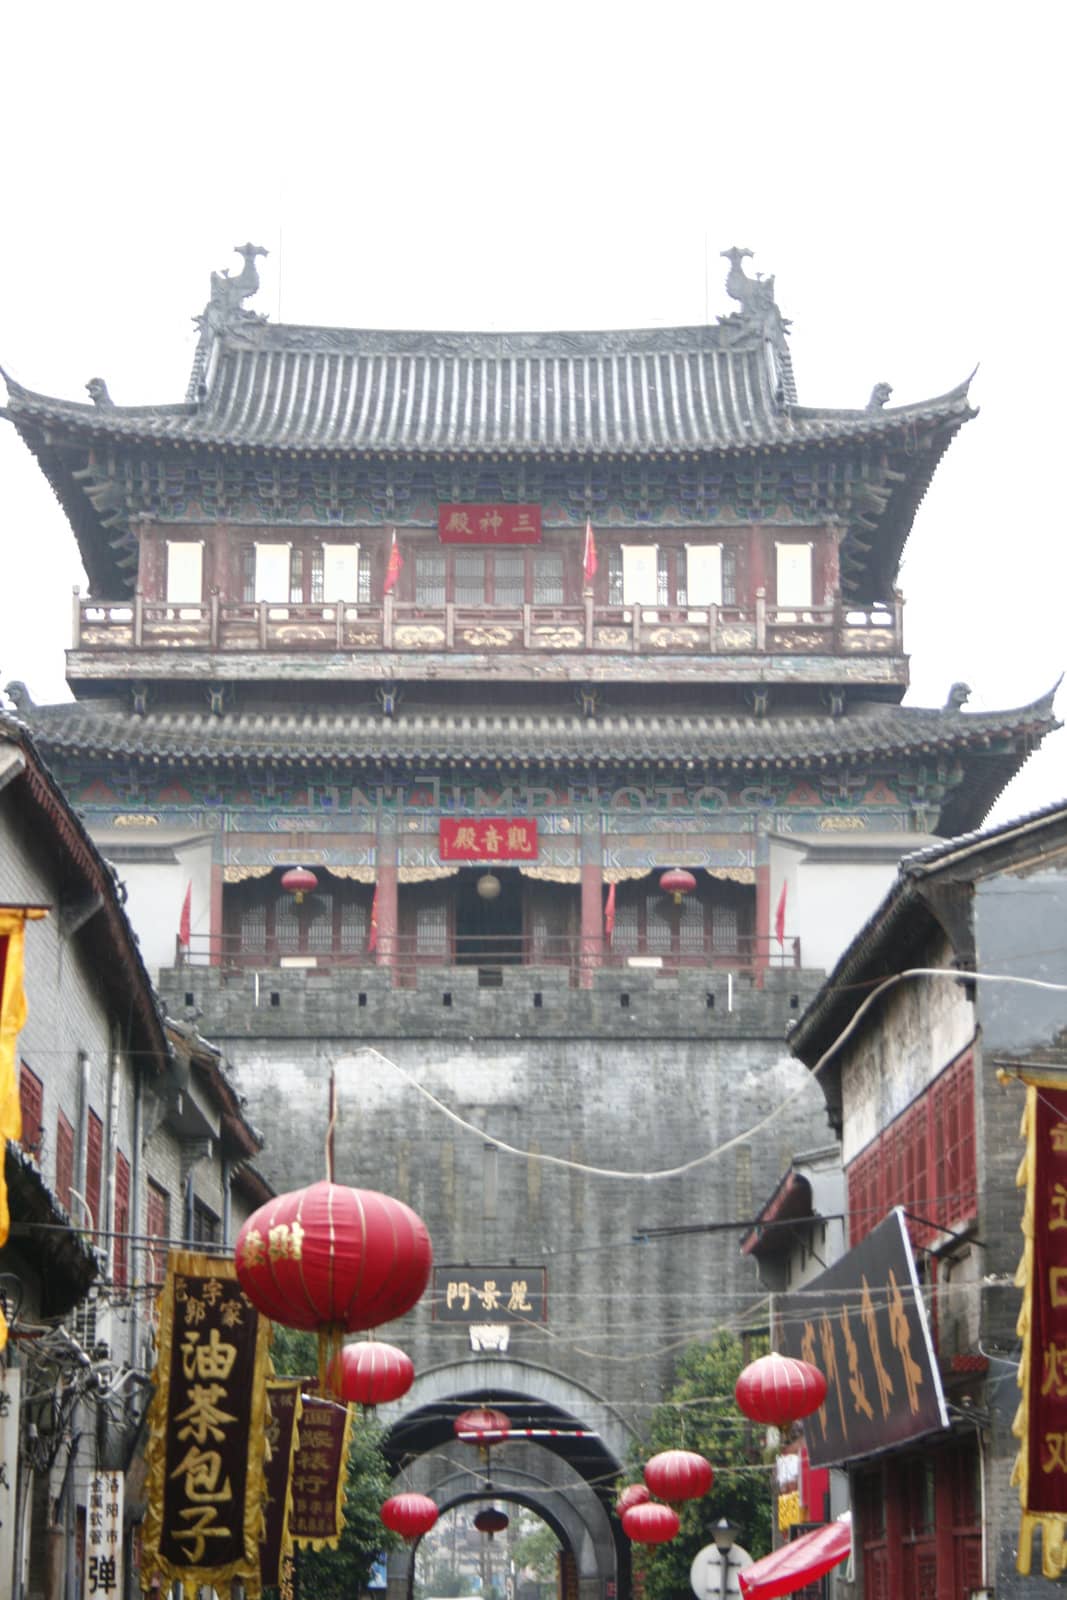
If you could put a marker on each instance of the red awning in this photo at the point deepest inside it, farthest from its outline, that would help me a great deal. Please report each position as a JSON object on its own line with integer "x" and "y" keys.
{"x": 796, "y": 1564}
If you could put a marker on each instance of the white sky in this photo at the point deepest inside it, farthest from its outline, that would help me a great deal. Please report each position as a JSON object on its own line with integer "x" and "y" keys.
{"x": 898, "y": 168}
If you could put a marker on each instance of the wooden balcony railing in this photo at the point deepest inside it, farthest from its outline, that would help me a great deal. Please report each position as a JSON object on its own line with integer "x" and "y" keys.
{"x": 403, "y": 957}
{"x": 229, "y": 626}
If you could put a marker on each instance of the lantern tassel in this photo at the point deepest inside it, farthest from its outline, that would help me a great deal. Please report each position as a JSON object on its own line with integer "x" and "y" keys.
{"x": 331, "y": 1340}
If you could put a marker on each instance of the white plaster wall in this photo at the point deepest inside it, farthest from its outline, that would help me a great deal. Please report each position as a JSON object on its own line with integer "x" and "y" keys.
{"x": 926, "y": 1023}
{"x": 834, "y": 900}
{"x": 155, "y": 892}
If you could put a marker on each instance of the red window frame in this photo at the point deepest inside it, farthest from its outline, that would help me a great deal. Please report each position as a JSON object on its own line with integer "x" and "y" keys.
{"x": 64, "y": 1160}
{"x": 924, "y": 1160}
{"x": 120, "y": 1256}
{"x": 31, "y": 1104}
{"x": 94, "y": 1167}
{"x": 157, "y": 1226}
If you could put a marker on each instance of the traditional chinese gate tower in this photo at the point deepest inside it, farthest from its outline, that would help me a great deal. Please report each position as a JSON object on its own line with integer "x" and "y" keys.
{"x": 345, "y": 613}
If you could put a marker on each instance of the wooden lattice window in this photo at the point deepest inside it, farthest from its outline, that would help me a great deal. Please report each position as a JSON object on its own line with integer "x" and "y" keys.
{"x": 64, "y": 1160}
{"x": 320, "y": 923}
{"x": 94, "y": 1166}
{"x": 430, "y": 578}
{"x": 157, "y": 1226}
{"x": 547, "y": 579}
{"x": 31, "y": 1102}
{"x": 431, "y": 930}
{"x": 509, "y": 579}
{"x": 353, "y": 926}
{"x": 120, "y": 1256}
{"x": 206, "y": 1227}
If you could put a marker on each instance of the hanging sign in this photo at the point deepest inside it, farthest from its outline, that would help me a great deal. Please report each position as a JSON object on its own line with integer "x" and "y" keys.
{"x": 488, "y": 839}
{"x": 10, "y": 1391}
{"x": 206, "y": 1444}
{"x": 283, "y": 1395}
{"x": 863, "y": 1324}
{"x": 320, "y": 1474}
{"x": 1041, "y": 1424}
{"x": 103, "y": 1537}
{"x": 480, "y": 524}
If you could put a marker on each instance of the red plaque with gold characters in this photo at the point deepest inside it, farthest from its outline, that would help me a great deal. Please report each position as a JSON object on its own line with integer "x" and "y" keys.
{"x": 1041, "y": 1424}
{"x": 320, "y": 1474}
{"x": 207, "y": 1441}
{"x": 488, "y": 839}
{"x": 481, "y": 524}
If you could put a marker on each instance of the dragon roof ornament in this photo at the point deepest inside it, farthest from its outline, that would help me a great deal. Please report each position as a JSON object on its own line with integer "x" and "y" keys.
{"x": 225, "y": 310}
{"x": 759, "y": 316}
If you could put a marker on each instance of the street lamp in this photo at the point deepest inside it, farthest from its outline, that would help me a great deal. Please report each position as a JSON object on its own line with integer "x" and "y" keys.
{"x": 724, "y": 1533}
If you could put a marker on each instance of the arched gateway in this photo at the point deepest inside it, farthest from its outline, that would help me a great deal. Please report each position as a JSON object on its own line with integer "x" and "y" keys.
{"x": 560, "y": 1461}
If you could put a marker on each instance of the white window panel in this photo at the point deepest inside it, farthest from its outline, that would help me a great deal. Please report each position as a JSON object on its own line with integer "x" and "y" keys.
{"x": 340, "y": 572}
{"x": 639, "y": 575}
{"x": 272, "y": 572}
{"x": 185, "y": 571}
{"x": 703, "y": 574}
{"x": 794, "y": 574}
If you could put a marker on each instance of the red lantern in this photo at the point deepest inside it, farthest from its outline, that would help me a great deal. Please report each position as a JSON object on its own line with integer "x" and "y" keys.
{"x": 650, "y": 1523}
{"x": 333, "y": 1259}
{"x": 675, "y": 882}
{"x": 635, "y": 1495}
{"x": 298, "y": 882}
{"x": 491, "y": 1520}
{"x": 482, "y": 1427}
{"x": 410, "y": 1515}
{"x": 371, "y": 1374}
{"x": 778, "y": 1390}
{"x": 679, "y": 1475}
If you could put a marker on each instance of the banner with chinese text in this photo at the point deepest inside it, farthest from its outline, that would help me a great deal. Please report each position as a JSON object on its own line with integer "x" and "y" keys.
{"x": 207, "y": 1442}
{"x": 488, "y": 839}
{"x": 320, "y": 1474}
{"x": 1041, "y": 1421}
{"x": 286, "y": 1405}
{"x": 489, "y": 1294}
{"x": 863, "y": 1324}
{"x": 501, "y": 524}
{"x": 103, "y": 1537}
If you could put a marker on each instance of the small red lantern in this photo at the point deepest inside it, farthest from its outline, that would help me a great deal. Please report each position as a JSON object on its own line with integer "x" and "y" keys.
{"x": 482, "y": 1427}
{"x": 650, "y": 1523}
{"x": 491, "y": 1520}
{"x": 679, "y": 1475}
{"x": 635, "y": 1495}
{"x": 333, "y": 1259}
{"x": 371, "y": 1374}
{"x": 298, "y": 882}
{"x": 675, "y": 882}
{"x": 778, "y": 1390}
{"x": 410, "y": 1515}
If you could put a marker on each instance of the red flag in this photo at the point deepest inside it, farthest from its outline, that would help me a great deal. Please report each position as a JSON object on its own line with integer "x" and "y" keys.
{"x": 186, "y": 918}
{"x": 609, "y": 914}
{"x": 372, "y": 942}
{"x": 589, "y": 558}
{"x": 779, "y": 916}
{"x": 392, "y": 571}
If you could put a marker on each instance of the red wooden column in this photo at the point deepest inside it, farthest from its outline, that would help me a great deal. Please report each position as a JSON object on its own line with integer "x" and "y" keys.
{"x": 215, "y": 929}
{"x": 592, "y": 936}
{"x": 385, "y": 897}
{"x": 761, "y": 955}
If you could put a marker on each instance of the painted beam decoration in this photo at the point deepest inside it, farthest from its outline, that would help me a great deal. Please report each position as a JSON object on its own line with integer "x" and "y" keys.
{"x": 488, "y": 839}
{"x": 485, "y": 524}
{"x": 863, "y": 1324}
{"x": 490, "y": 1294}
{"x": 320, "y": 1474}
{"x": 207, "y": 1442}
{"x": 1041, "y": 1421}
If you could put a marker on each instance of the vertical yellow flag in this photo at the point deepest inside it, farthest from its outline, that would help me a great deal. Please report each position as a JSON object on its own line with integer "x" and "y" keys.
{"x": 12, "y": 1017}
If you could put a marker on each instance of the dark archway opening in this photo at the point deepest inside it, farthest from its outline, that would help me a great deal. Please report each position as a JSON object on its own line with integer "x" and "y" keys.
{"x": 489, "y": 930}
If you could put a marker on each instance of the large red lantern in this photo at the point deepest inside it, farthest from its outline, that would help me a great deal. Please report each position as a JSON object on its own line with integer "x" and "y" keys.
{"x": 371, "y": 1373}
{"x": 679, "y": 1475}
{"x": 482, "y": 1426}
{"x": 333, "y": 1259}
{"x": 635, "y": 1495}
{"x": 298, "y": 882}
{"x": 491, "y": 1520}
{"x": 650, "y": 1523}
{"x": 676, "y": 882}
{"x": 778, "y": 1390}
{"x": 410, "y": 1515}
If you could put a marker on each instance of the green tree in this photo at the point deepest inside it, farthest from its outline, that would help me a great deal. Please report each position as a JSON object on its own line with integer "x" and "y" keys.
{"x": 538, "y": 1551}
{"x": 339, "y": 1574}
{"x": 700, "y": 1414}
